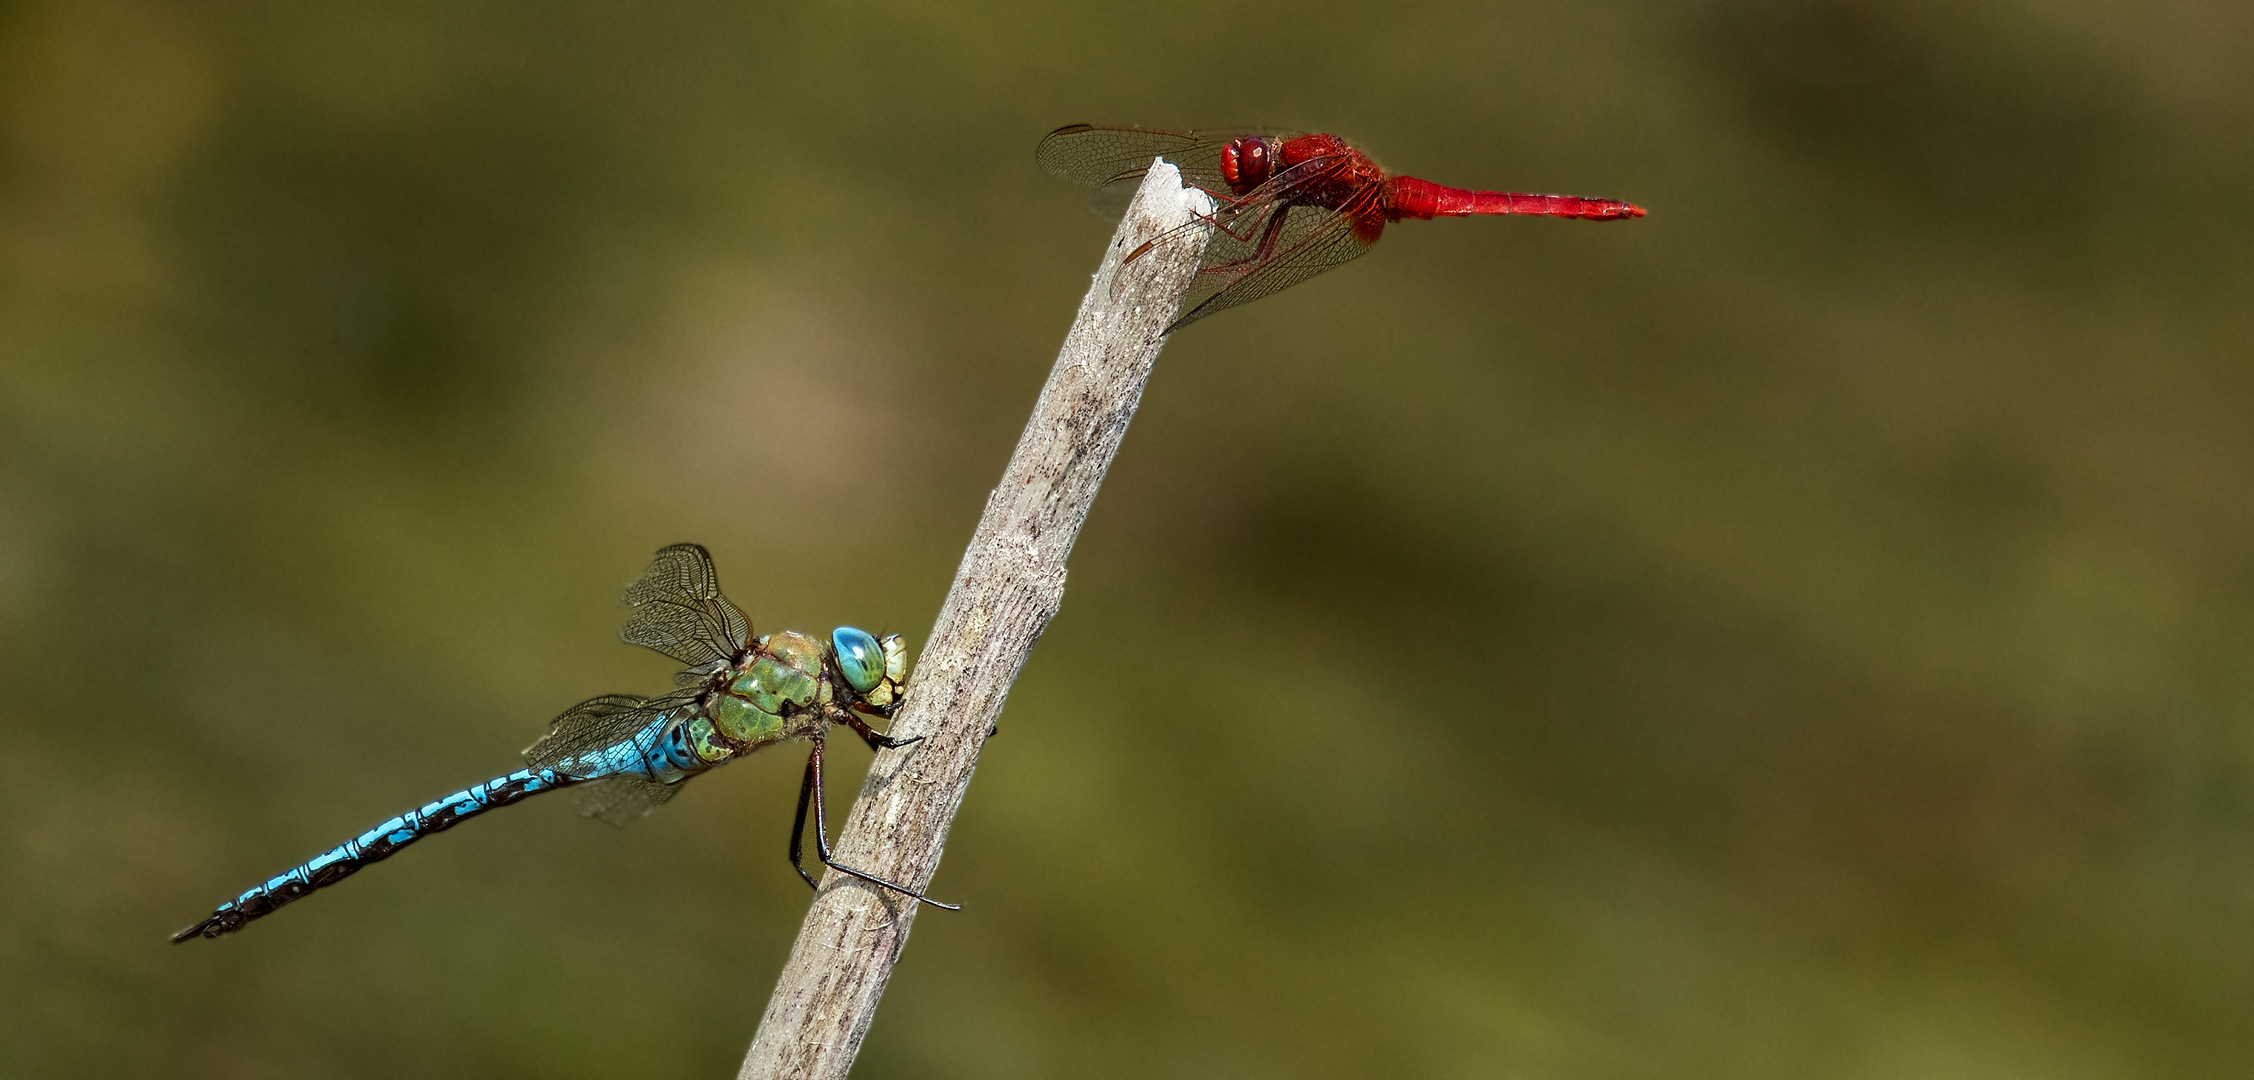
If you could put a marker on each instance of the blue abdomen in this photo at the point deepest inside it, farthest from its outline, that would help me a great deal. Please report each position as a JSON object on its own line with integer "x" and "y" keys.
{"x": 375, "y": 845}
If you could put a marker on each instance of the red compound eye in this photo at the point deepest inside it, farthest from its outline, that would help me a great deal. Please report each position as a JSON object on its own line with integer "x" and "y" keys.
{"x": 1245, "y": 164}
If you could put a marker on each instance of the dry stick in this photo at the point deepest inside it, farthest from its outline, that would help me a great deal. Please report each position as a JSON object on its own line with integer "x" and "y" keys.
{"x": 1008, "y": 587}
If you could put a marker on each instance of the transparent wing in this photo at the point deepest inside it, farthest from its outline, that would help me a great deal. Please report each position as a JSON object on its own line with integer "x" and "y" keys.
{"x": 597, "y": 724}
{"x": 678, "y": 609}
{"x": 1268, "y": 239}
{"x": 1113, "y": 160}
{"x": 1300, "y": 242}
{"x": 622, "y": 799}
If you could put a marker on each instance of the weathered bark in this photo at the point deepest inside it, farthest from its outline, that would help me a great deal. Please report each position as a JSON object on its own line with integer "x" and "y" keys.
{"x": 1006, "y": 591}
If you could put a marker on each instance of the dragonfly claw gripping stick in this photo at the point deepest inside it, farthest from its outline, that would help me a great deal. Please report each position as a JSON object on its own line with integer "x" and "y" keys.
{"x": 1009, "y": 585}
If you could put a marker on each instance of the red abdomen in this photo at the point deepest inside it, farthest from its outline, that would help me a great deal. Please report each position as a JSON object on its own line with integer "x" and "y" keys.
{"x": 1409, "y": 197}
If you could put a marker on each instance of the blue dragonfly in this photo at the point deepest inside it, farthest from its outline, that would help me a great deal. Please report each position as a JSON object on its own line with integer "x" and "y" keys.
{"x": 736, "y": 696}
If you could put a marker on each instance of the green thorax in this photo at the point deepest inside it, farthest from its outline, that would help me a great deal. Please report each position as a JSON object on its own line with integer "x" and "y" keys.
{"x": 781, "y": 678}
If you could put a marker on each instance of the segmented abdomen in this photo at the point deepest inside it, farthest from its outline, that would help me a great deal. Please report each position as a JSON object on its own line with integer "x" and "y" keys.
{"x": 1409, "y": 197}
{"x": 376, "y": 844}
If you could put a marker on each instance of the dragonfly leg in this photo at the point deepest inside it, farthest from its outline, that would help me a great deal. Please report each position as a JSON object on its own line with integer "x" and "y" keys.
{"x": 1268, "y": 232}
{"x": 806, "y": 789}
{"x": 1280, "y": 192}
{"x": 1213, "y": 220}
{"x": 875, "y": 739}
{"x": 811, "y": 792}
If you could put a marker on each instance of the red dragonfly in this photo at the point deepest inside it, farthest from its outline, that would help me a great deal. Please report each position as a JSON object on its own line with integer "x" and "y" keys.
{"x": 1290, "y": 205}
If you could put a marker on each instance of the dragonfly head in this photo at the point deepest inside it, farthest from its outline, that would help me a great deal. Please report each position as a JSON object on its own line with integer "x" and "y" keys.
{"x": 876, "y": 669}
{"x": 1246, "y": 163}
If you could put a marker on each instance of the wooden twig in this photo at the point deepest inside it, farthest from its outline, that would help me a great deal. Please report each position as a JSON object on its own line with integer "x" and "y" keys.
{"x": 1007, "y": 589}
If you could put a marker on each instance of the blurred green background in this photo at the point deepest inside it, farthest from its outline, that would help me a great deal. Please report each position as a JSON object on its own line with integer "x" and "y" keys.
{"x": 1803, "y": 633}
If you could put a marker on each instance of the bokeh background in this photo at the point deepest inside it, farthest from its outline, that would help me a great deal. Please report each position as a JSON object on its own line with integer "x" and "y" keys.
{"x": 1804, "y": 633}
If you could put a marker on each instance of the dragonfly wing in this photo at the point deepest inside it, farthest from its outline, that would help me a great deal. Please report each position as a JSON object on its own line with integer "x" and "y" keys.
{"x": 595, "y": 725}
{"x": 1113, "y": 160}
{"x": 622, "y": 799}
{"x": 678, "y": 609}
{"x": 1307, "y": 241}
{"x": 1110, "y": 202}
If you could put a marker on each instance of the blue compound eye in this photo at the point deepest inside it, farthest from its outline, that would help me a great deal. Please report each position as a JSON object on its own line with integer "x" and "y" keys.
{"x": 859, "y": 657}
